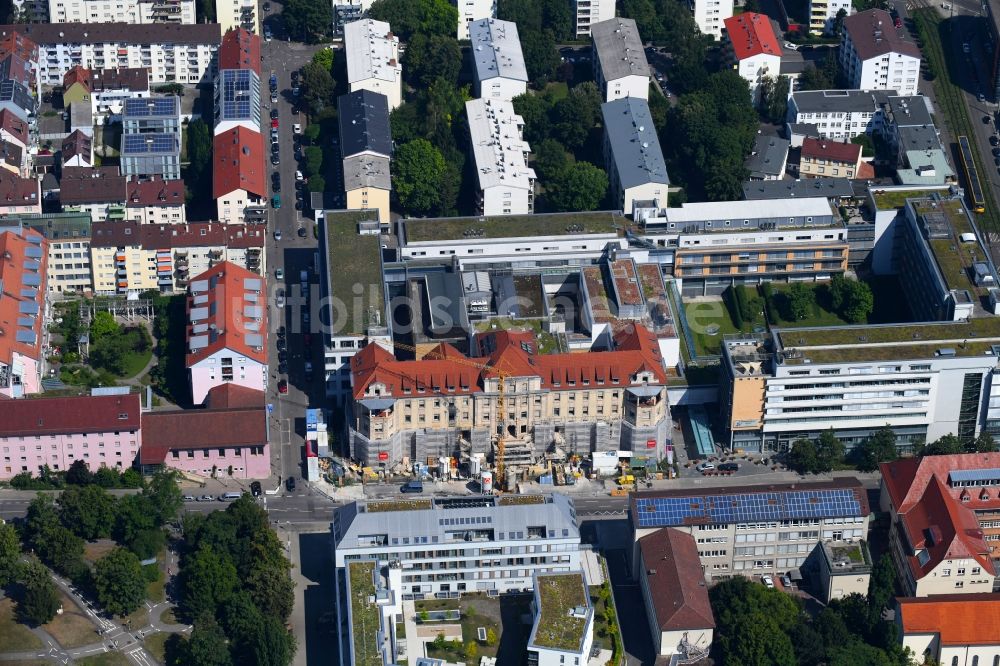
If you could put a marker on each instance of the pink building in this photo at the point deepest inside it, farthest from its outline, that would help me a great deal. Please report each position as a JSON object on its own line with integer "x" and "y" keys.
{"x": 226, "y": 330}
{"x": 103, "y": 431}
{"x": 23, "y": 261}
{"x": 229, "y": 433}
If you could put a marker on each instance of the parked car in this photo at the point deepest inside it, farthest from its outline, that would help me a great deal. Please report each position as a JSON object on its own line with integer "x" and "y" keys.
{"x": 206, "y": 498}
{"x": 277, "y": 234}
{"x": 309, "y": 370}
{"x": 786, "y": 581}
{"x": 276, "y": 202}
{"x": 255, "y": 489}
{"x": 283, "y": 369}
{"x": 279, "y": 273}
{"x": 189, "y": 498}
{"x": 283, "y": 386}
{"x": 301, "y": 232}
{"x": 412, "y": 487}
{"x": 274, "y": 114}
{"x": 290, "y": 483}
{"x": 280, "y": 298}
{"x": 274, "y": 123}
{"x": 729, "y": 467}
{"x": 767, "y": 580}
{"x": 297, "y": 128}
{"x": 705, "y": 466}
{"x": 281, "y": 331}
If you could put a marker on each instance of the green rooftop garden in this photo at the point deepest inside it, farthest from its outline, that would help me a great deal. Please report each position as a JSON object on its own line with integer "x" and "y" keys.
{"x": 954, "y": 258}
{"x": 355, "y": 267}
{"x": 364, "y": 613}
{"x": 510, "y": 500}
{"x": 927, "y": 332}
{"x": 556, "y": 627}
{"x": 863, "y": 353}
{"x": 512, "y": 226}
{"x": 397, "y": 505}
{"x": 890, "y": 199}
{"x": 545, "y": 341}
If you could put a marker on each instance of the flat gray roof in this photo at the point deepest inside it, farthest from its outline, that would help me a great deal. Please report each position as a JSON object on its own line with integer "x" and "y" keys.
{"x": 908, "y": 110}
{"x": 366, "y": 171}
{"x": 759, "y": 190}
{"x": 919, "y": 137}
{"x": 496, "y": 50}
{"x": 634, "y": 144}
{"x": 619, "y": 48}
{"x": 768, "y": 156}
{"x": 819, "y": 101}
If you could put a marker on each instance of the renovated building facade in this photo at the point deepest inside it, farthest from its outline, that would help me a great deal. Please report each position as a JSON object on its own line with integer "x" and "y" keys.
{"x": 23, "y": 310}
{"x": 130, "y": 11}
{"x": 823, "y": 14}
{"x": 820, "y": 158}
{"x": 754, "y": 49}
{"x": 620, "y": 66}
{"x": 373, "y": 63}
{"x": 471, "y": 11}
{"x": 874, "y": 55}
{"x": 102, "y": 431}
{"x": 589, "y": 12}
{"x": 237, "y": 15}
{"x": 499, "y": 70}
{"x": 840, "y": 115}
{"x": 500, "y": 155}
{"x": 710, "y": 15}
{"x": 636, "y": 169}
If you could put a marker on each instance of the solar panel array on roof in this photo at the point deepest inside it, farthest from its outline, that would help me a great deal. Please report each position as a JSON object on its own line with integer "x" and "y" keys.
{"x": 238, "y": 96}
{"x": 136, "y": 144}
{"x": 151, "y": 106}
{"x": 746, "y": 508}
{"x": 966, "y": 475}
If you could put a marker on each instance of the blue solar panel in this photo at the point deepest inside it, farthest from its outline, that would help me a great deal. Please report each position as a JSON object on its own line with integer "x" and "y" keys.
{"x": 151, "y": 106}
{"x": 240, "y": 94}
{"x": 133, "y": 144}
{"x": 746, "y": 508}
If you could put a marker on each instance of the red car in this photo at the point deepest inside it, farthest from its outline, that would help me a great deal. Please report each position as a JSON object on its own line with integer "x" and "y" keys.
{"x": 283, "y": 386}
{"x": 898, "y": 22}
{"x": 274, "y": 123}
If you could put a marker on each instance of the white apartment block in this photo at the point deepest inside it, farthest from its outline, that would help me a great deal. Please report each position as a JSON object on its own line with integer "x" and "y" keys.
{"x": 172, "y": 53}
{"x": 874, "y": 55}
{"x": 710, "y": 15}
{"x": 373, "y": 59}
{"x": 122, "y": 11}
{"x": 473, "y": 10}
{"x": 232, "y": 14}
{"x": 620, "y": 66}
{"x": 838, "y": 114}
{"x": 823, "y": 13}
{"x": 500, "y": 73}
{"x": 589, "y": 12}
{"x": 751, "y": 43}
{"x": 636, "y": 169}
{"x": 500, "y": 153}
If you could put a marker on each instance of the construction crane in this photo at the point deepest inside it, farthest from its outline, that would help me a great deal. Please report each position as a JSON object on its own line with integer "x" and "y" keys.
{"x": 498, "y": 461}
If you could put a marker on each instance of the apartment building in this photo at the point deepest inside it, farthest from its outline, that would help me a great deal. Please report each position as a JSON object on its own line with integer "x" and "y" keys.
{"x": 874, "y": 55}
{"x": 97, "y": 191}
{"x": 13, "y": 158}
{"x": 753, "y": 49}
{"x": 620, "y": 66}
{"x": 240, "y": 49}
{"x": 129, "y": 11}
{"x": 590, "y": 12}
{"x": 151, "y": 155}
{"x": 155, "y": 201}
{"x": 102, "y": 431}
{"x": 499, "y": 70}
{"x": 754, "y": 529}
{"x": 472, "y": 11}
{"x": 238, "y": 181}
{"x": 68, "y": 237}
{"x": 673, "y": 589}
{"x": 821, "y": 158}
{"x": 500, "y": 155}
{"x": 444, "y": 404}
{"x": 717, "y": 244}
{"x": 854, "y": 380}
{"x": 710, "y": 15}
{"x": 636, "y": 169}
{"x": 238, "y": 14}
{"x": 346, "y": 11}
{"x": 366, "y": 147}
{"x": 368, "y": 184}
{"x": 14, "y": 129}
{"x": 23, "y": 311}
{"x": 227, "y": 329}
{"x": 226, "y": 439}
{"x": 128, "y": 256}
{"x": 77, "y": 150}
{"x": 172, "y": 53}
{"x": 768, "y": 159}
{"x": 554, "y": 641}
{"x": 373, "y": 60}
{"x": 840, "y": 115}
{"x": 945, "y": 522}
{"x": 237, "y": 86}
{"x": 951, "y": 629}
{"x": 104, "y": 90}
{"x": 23, "y": 66}
{"x": 17, "y": 98}
{"x": 19, "y": 195}
{"x": 160, "y": 114}
{"x": 823, "y": 14}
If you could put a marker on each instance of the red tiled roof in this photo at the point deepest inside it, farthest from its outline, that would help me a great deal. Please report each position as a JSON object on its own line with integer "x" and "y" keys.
{"x": 866, "y": 171}
{"x": 233, "y": 396}
{"x": 240, "y": 49}
{"x": 154, "y": 192}
{"x": 848, "y": 153}
{"x": 17, "y": 191}
{"x": 872, "y": 33}
{"x": 133, "y": 79}
{"x": 12, "y": 272}
{"x": 676, "y": 581}
{"x": 53, "y": 416}
{"x": 226, "y": 294}
{"x": 958, "y": 619}
{"x": 906, "y": 479}
{"x": 77, "y": 74}
{"x": 15, "y": 42}
{"x": 91, "y": 185}
{"x": 13, "y": 124}
{"x": 239, "y": 162}
{"x": 201, "y": 429}
{"x": 76, "y": 144}
{"x": 751, "y": 34}
{"x": 513, "y": 352}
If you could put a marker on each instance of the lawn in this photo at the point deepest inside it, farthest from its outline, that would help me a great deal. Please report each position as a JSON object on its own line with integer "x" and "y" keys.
{"x": 168, "y": 617}
{"x": 104, "y": 659}
{"x": 14, "y": 637}
{"x": 98, "y": 549}
{"x": 156, "y": 591}
{"x": 156, "y": 645}
{"x": 818, "y": 316}
{"x": 477, "y": 611}
{"x": 135, "y": 363}
{"x": 72, "y": 628}
{"x": 709, "y": 321}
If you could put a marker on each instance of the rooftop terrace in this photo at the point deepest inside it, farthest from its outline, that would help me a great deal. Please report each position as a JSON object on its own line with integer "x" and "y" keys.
{"x": 364, "y": 613}
{"x": 891, "y": 199}
{"x": 354, "y": 260}
{"x": 558, "y": 626}
{"x": 944, "y": 222}
{"x": 511, "y": 226}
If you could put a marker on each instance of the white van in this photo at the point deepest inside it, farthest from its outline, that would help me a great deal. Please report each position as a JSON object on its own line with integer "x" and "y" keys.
{"x": 230, "y": 497}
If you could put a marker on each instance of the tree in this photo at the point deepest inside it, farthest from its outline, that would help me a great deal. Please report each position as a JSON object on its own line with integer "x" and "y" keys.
{"x": 271, "y": 588}
{"x": 78, "y": 473}
{"x": 324, "y": 58}
{"x": 411, "y": 17}
{"x": 838, "y": 22}
{"x": 574, "y": 116}
{"x": 879, "y": 448}
{"x": 534, "y": 109}
{"x": 40, "y": 601}
{"x": 774, "y": 102}
{"x": 418, "y": 170}
{"x": 121, "y": 586}
{"x": 753, "y": 623}
{"x": 829, "y": 451}
{"x": 550, "y": 159}
{"x": 10, "y": 553}
{"x": 147, "y": 543}
{"x": 540, "y": 55}
{"x": 308, "y": 20}
{"x": 199, "y": 151}
{"x": 580, "y": 186}
{"x": 801, "y": 300}
{"x": 242, "y": 621}
{"x": 206, "y": 11}
{"x": 134, "y": 514}
{"x": 491, "y": 637}
{"x": 88, "y": 511}
{"x": 430, "y": 57}
{"x": 313, "y": 161}
{"x": 946, "y": 445}
{"x": 316, "y": 87}
{"x": 208, "y": 581}
{"x": 802, "y": 456}
{"x": 164, "y": 496}
{"x": 317, "y": 183}
{"x": 207, "y": 646}
{"x": 866, "y": 143}
{"x": 105, "y": 477}
{"x": 984, "y": 443}
{"x": 311, "y": 133}
{"x": 273, "y": 645}
{"x": 103, "y": 325}
{"x": 471, "y": 651}
{"x": 858, "y": 303}
{"x": 881, "y": 587}
{"x": 110, "y": 352}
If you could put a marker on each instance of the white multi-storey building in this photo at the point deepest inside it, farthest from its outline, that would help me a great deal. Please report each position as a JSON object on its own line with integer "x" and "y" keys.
{"x": 589, "y": 12}
{"x": 838, "y": 114}
{"x": 232, "y": 14}
{"x": 620, "y": 66}
{"x": 172, "y": 53}
{"x": 473, "y": 10}
{"x": 632, "y": 155}
{"x": 500, "y": 73}
{"x": 373, "y": 59}
{"x": 754, "y": 49}
{"x": 710, "y": 15}
{"x": 823, "y": 14}
{"x": 874, "y": 55}
{"x": 500, "y": 153}
{"x": 122, "y": 11}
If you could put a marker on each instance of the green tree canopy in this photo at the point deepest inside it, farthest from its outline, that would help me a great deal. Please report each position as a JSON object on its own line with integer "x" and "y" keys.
{"x": 984, "y": 443}
{"x": 324, "y": 58}
{"x": 430, "y": 57}
{"x": 829, "y": 451}
{"x": 540, "y": 55}
{"x": 10, "y": 553}
{"x": 273, "y": 645}
{"x": 40, "y": 598}
{"x": 207, "y": 646}
{"x": 316, "y": 87}
{"x": 946, "y": 445}
{"x": 134, "y": 514}
{"x": 79, "y": 473}
{"x": 88, "y": 511}
{"x": 535, "y": 15}
{"x": 308, "y": 20}
{"x": 120, "y": 584}
{"x": 411, "y": 17}
{"x": 209, "y": 581}
{"x": 550, "y": 159}
{"x": 164, "y": 496}
{"x": 579, "y": 186}
{"x": 575, "y": 116}
{"x": 802, "y": 456}
{"x": 534, "y": 108}
{"x": 102, "y": 326}
{"x": 880, "y": 447}
{"x": 418, "y": 171}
